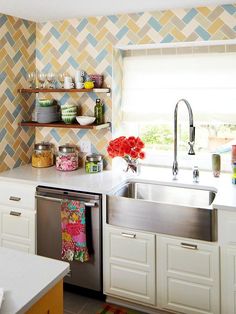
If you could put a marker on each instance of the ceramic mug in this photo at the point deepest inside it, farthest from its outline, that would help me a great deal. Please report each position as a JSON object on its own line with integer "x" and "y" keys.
{"x": 79, "y": 85}
{"x": 68, "y": 84}
{"x": 79, "y": 76}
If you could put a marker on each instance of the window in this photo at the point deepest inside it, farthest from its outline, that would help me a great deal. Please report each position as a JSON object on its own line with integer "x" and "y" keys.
{"x": 152, "y": 85}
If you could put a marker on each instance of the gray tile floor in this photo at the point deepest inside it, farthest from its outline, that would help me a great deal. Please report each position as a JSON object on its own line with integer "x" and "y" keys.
{"x": 78, "y": 304}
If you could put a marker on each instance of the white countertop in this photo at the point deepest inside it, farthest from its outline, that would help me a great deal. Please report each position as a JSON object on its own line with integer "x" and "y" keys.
{"x": 25, "y": 278}
{"x": 104, "y": 182}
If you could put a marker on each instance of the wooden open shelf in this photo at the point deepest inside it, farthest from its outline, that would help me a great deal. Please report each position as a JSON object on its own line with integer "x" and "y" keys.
{"x": 63, "y": 125}
{"x": 62, "y": 90}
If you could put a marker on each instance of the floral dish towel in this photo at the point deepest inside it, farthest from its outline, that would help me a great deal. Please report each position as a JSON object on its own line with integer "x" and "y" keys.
{"x": 73, "y": 225}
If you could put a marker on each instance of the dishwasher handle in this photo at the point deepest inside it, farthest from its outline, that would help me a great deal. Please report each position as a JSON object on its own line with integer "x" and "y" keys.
{"x": 89, "y": 204}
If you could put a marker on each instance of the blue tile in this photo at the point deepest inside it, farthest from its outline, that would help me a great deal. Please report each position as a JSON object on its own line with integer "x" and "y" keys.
{"x": 202, "y": 33}
{"x": 154, "y": 24}
{"x": 92, "y": 40}
{"x": 73, "y": 63}
{"x": 190, "y": 15}
{"x": 113, "y": 18}
{"x": 17, "y": 111}
{"x": 122, "y": 32}
{"x": 3, "y": 19}
{"x": 32, "y": 38}
{"x": 168, "y": 39}
{"x": 82, "y": 25}
{"x": 231, "y": 9}
{"x": 81, "y": 133}
{"x": 23, "y": 72}
{"x": 17, "y": 163}
{"x": 3, "y": 132}
{"x": 9, "y": 39}
{"x": 55, "y": 32}
{"x": 39, "y": 56}
{"x": 2, "y": 76}
{"x": 17, "y": 56}
{"x": 47, "y": 68}
{"x": 26, "y": 23}
{"x": 101, "y": 55}
{"x": 9, "y": 94}
{"x": 55, "y": 135}
{"x": 63, "y": 48}
{"x": 64, "y": 99}
{"x": 109, "y": 70}
{"x": 9, "y": 150}
{"x": 31, "y": 140}
{"x": 93, "y": 96}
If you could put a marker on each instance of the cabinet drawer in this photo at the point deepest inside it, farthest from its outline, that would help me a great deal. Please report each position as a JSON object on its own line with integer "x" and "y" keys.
{"x": 131, "y": 247}
{"x": 17, "y": 195}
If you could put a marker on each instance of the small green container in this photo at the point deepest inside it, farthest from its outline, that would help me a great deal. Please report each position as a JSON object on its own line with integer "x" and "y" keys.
{"x": 93, "y": 163}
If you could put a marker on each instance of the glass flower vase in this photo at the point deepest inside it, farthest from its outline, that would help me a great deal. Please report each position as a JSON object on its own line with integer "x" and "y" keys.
{"x": 131, "y": 165}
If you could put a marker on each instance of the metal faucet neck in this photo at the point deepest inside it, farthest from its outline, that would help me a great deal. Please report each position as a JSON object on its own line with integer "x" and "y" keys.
{"x": 175, "y": 168}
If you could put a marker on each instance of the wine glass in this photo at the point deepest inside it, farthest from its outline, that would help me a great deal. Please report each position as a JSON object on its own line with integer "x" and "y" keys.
{"x": 30, "y": 79}
{"x": 51, "y": 79}
{"x": 41, "y": 79}
{"x": 61, "y": 77}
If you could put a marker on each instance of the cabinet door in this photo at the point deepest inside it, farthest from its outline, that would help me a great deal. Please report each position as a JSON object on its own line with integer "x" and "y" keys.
{"x": 228, "y": 279}
{"x": 17, "y": 229}
{"x": 129, "y": 265}
{"x": 188, "y": 276}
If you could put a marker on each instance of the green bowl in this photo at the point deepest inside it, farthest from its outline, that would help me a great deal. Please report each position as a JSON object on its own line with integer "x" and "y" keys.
{"x": 45, "y": 102}
{"x": 68, "y": 120}
{"x": 70, "y": 110}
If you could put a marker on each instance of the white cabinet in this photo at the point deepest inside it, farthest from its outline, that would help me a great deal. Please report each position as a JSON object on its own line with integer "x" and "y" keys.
{"x": 187, "y": 276}
{"x": 227, "y": 238}
{"x": 17, "y": 216}
{"x": 129, "y": 265}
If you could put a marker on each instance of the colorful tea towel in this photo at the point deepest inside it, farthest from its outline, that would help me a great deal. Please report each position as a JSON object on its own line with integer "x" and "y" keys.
{"x": 73, "y": 225}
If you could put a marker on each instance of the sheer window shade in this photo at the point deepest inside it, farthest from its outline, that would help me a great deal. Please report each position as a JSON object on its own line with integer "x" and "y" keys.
{"x": 153, "y": 84}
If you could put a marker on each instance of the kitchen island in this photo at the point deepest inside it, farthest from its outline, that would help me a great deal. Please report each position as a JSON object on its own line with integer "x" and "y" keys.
{"x": 31, "y": 283}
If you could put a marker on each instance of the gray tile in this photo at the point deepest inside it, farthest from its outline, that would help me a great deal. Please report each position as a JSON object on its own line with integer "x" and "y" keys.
{"x": 73, "y": 302}
{"x": 91, "y": 307}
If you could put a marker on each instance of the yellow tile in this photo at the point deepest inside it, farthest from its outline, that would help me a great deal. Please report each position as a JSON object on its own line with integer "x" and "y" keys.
{"x": 215, "y": 26}
{"x": 101, "y": 34}
{"x": 167, "y": 15}
{"x": 145, "y": 40}
{"x": 177, "y": 34}
{"x": 204, "y": 11}
{"x": 132, "y": 26}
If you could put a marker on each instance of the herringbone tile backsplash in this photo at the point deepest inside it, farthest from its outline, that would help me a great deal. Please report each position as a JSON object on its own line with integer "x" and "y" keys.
{"x": 85, "y": 44}
{"x": 17, "y": 58}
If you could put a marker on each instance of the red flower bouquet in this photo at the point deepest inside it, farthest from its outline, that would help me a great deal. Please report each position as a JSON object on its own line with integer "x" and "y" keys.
{"x": 129, "y": 148}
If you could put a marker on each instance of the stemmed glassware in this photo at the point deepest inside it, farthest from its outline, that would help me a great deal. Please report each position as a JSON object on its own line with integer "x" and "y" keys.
{"x": 41, "y": 79}
{"x": 61, "y": 77}
{"x": 31, "y": 79}
{"x": 51, "y": 79}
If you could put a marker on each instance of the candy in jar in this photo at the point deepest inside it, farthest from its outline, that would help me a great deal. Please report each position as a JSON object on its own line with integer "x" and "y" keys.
{"x": 67, "y": 158}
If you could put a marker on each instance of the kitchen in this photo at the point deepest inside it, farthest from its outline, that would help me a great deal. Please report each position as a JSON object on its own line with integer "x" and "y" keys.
{"x": 84, "y": 43}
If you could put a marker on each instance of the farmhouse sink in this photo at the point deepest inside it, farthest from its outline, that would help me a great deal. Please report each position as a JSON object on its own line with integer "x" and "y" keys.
{"x": 174, "y": 210}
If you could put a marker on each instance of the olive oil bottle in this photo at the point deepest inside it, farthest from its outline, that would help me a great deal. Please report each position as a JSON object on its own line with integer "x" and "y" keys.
{"x": 99, "y": 112}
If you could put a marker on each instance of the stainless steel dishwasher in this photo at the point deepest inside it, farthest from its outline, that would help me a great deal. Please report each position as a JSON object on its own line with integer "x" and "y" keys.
{"x": 49, "y": 240}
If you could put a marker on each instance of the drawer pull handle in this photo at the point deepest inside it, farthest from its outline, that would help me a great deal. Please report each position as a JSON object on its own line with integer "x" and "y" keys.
{"x": 189, "y": 246}
{"x": 13, "y": 213}
{"x": 128, "y": 235}
{"x": 14, "y": 198}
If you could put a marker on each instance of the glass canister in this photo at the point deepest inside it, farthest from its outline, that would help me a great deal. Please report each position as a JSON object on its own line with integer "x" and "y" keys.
{"x": 93, "y": 163}
{"x": 42, "y": 156}
{"x": 67, "y": 158}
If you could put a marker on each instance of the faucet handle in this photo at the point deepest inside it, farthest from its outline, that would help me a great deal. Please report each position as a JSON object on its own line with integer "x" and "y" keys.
{"x": 195, "y": 174}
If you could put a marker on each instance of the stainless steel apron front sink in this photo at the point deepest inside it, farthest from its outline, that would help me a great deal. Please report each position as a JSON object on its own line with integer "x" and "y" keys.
{"x": 173, "y": 210}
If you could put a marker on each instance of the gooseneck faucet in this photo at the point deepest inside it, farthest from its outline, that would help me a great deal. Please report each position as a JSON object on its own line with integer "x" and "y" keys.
{"x": 175, "y": 167}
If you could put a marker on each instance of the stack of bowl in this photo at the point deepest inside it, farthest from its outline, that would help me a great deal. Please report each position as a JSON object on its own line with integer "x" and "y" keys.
{"x": 47, "y": 111}
{"x": 68, "y": 113}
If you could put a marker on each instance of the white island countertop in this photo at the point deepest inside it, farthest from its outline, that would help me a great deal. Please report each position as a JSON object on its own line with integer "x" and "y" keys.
{"x": 25, "y": 278}
{"x": 105, "y": 182}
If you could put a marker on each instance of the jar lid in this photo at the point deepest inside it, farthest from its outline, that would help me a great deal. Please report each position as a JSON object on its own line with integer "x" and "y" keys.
{"x": 94, "y": 157}
{"x": 43, "y": 146}
{"x": 66, "y": 149}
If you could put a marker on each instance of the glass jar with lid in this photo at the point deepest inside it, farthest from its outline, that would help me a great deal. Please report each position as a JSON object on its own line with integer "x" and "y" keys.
{"x": 67, "y": 158}
{"x": 42, "y": 156}
{"x": 93, "y": 163}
